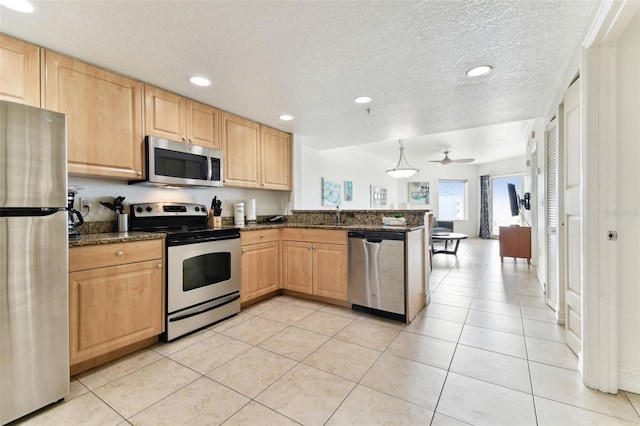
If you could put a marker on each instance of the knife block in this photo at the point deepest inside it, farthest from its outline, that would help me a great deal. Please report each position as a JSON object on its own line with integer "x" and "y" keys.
{"x": 214, "y": 221}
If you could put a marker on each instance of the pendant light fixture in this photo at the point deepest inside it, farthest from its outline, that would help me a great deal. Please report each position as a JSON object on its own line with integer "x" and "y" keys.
{"x": 403, "y": 169}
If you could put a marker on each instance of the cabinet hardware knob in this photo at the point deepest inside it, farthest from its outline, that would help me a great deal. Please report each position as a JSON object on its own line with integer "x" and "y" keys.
{"x": 184, "y": 138}
{"x": 139, "y": 173}
{"x": 190, "y": 140}
{"x": 244, "y": 250}
{"x": 261, "y": 235}
{"x": 119, "y": 253}
{"x": 159, "y": 266}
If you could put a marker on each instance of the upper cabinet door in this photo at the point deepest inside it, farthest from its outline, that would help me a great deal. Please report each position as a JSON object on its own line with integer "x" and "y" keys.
{"x": 164, "y": 114}
{"x": 241, "y": 147}
{"x": 202, "y": 125}
{"x": 275, "y": 159}
{"x": 104, "y": 117}
{"x": 19, "y": 71}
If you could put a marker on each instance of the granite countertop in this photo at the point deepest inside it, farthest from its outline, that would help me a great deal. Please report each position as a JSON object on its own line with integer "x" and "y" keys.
{"x": 114, "y": 237}
{"x": 350, "y": 227}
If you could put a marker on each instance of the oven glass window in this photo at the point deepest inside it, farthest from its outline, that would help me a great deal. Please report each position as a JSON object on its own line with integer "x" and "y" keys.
{"x": 206, "y": 269}
{"x": 180, "y": 164}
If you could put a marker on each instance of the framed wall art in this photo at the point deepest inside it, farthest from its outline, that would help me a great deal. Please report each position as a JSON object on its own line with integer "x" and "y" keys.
{"x": 419, "y": 193}
{"x": 348, "y": 190}
{"x": 331, "y": 192}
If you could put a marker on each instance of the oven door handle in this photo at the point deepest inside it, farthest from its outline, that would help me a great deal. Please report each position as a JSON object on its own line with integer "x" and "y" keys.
{"x": 171, "y": 242}
{"x": 210, "y": 308}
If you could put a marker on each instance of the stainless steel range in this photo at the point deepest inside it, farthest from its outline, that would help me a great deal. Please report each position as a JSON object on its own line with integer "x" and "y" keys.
{"x": 203, "y": 265}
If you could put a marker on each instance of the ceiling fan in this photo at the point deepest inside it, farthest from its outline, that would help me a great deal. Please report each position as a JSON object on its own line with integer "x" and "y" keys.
{"x": 446, "y": 160}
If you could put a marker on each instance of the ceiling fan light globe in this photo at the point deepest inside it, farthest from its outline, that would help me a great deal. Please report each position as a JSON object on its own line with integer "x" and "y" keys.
{"x": 402, "y": 173}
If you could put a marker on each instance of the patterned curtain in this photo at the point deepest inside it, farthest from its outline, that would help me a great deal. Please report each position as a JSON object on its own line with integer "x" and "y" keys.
{"x": 485, "y": 213}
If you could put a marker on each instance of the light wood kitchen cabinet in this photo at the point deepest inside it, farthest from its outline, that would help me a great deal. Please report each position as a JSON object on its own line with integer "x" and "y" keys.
{"x": 19, "y": 71}
{"x": 260, "y": 263}
{"x": 241, "y": 147}
{"x": 104, "y": 117}
{"x": 330, "y": 270}
{"x": 173, "y": 117}
{"x": 255, "y": 156}
{"x": 275, "y": 159}
{"x": 515, "y": 241}
{"x": 115, "y": 297}
{"x": 315, "y": 262}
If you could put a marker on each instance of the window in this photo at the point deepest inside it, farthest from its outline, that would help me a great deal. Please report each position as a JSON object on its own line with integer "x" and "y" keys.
{"x": 452, "y": 199}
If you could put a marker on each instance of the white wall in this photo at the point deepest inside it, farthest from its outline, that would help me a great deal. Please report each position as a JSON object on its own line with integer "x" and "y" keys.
{"x": 627, "y": 212}
{"x": 341, "y": 164}
{"x": 538, "y": 184}
{"x": 267, "y": 202}
{"x": 365, "y": 169}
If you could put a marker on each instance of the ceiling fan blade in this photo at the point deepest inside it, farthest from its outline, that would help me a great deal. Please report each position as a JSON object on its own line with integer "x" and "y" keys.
{"x": 435, "y": 161}
{"x": 463, "y": 160}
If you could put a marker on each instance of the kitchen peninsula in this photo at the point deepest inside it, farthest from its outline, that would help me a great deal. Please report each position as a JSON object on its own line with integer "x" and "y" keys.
{"x": 304, "y": 257}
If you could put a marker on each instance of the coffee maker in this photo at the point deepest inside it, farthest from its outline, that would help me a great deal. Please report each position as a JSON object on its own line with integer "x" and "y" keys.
{"x": 75, "y": 217}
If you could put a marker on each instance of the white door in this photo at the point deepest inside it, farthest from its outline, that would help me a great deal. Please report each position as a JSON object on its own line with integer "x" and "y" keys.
{"x": 572, "y": 217}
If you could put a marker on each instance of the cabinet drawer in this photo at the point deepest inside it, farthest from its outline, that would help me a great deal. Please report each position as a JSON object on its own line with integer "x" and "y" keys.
{"x": 102, "y": 255}
{"x": 255, "y": 237}
{"x": 314, "y": 235}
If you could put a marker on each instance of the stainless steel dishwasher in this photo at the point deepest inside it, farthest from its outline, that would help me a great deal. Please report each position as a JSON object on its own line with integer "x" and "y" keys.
{"x": 376, "y": 277}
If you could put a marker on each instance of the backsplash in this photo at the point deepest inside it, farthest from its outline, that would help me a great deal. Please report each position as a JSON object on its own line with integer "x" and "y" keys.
{"x": 355, "y": 217}
{"x": 307, "y": 217}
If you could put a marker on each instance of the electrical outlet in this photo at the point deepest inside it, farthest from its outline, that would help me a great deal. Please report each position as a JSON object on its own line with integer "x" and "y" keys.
{"x": 85, "y": 203}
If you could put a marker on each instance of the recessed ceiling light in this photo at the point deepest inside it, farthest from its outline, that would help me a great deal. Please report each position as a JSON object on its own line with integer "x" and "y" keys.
{"x": 18, "y": 5}
{"x": 362, "y": 100}
{"x": 286, "y": 117}
{"x": 200, "y": 81}
{"x": 480, "y": 70}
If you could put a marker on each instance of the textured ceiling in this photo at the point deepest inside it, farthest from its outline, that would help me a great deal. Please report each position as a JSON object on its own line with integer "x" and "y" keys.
{"x": 311, "y": 58}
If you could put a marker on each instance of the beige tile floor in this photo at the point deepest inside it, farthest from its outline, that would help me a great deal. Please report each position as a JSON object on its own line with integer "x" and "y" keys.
{"x": 486, "y": 351}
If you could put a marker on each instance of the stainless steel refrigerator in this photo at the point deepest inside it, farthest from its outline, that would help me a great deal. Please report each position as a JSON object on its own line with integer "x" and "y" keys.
{"x": 34, "y": 301}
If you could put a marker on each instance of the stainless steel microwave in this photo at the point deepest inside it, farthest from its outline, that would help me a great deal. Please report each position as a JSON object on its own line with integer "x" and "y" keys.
{"x": 172, "y": 163}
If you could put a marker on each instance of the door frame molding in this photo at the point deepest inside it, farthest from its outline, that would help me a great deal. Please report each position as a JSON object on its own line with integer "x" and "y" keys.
{"x": 599, "y": 115}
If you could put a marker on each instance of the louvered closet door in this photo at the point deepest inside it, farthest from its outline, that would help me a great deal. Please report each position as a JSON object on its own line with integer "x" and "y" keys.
{"x": 551, "y": 193}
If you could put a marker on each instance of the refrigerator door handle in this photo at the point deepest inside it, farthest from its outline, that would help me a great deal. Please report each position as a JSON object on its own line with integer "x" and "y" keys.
{"x": 29, "y": 211}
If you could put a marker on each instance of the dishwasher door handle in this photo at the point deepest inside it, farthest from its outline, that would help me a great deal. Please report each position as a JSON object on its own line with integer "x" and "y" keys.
{"x": 373, "y": 240}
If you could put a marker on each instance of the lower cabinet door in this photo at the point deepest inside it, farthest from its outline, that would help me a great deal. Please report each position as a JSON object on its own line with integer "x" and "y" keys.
{"x": 330, "y": 270}
{"x": 110, "y": 308}
{"x": 260, "y": 270}
{"x": 297, "y": 266}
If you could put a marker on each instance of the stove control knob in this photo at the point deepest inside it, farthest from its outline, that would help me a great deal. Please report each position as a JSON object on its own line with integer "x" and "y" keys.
{"x": 139, "y": 209}
{"x": 197, "y": 208}
{"x": 148, "y": 209}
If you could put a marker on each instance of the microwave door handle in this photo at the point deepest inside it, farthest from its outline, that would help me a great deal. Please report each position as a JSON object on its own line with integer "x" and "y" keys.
{"x": 210, "y": 166}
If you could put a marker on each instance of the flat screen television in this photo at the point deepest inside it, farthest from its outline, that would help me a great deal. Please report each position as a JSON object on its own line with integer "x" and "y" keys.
{"x": 514, "y": 200}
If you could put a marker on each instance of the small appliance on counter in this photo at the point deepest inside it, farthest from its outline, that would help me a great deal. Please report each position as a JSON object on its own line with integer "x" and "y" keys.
{"x": 74, "y": 216}
{"x": 238, "y": 218}
{"x": 250, "y": 210}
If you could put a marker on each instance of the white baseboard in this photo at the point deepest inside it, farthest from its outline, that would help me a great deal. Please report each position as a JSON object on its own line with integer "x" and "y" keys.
{"x": 629, "y": 380}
